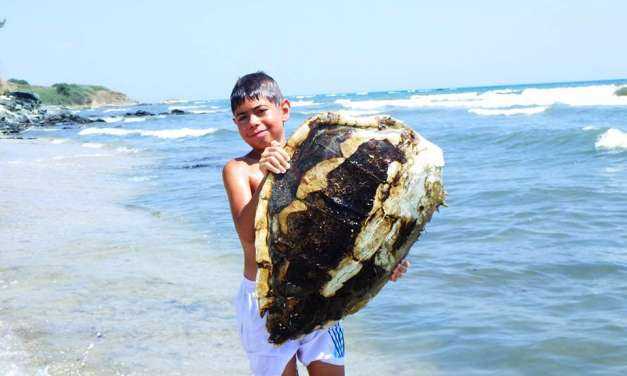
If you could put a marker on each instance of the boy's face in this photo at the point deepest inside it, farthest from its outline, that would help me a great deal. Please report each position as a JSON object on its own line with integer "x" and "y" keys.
{"x": 259, "y": 121}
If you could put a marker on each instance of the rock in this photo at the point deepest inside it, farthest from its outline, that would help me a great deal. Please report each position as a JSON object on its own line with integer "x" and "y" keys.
{"x": 176, "y": 111}
{"x": 25, "y": 99}
{"x": 22, "y": 110}
{"x": 67, "y": 117}
{"x": 139, "y": 113}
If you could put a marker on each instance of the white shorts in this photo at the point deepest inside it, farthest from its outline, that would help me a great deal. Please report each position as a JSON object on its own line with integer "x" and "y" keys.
{"x": 326, "y": 345}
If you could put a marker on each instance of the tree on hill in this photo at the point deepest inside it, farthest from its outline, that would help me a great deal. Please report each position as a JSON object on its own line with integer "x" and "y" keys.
{"x": 18, "y": 82}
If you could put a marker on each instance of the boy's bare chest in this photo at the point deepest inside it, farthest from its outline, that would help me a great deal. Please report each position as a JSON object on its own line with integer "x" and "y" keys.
{"x": 255, "y": 177}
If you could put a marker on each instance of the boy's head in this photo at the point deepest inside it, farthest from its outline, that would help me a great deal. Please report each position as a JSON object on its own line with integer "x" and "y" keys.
{"x": 255, "y": 86}
{"x": 259, "y": 110}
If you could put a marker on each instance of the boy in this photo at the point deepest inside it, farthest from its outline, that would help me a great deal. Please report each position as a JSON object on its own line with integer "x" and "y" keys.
{"x": 260, "y": 112}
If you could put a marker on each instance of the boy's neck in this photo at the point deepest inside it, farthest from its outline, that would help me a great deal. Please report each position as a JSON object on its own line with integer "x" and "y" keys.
{"x": 254, "y": 154}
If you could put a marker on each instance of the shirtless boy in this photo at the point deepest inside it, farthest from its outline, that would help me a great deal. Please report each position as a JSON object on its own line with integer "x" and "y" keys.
{"x": 260, "y": 112}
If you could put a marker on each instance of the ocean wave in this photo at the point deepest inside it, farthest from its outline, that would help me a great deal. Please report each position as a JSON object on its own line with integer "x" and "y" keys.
{"x": 170, "y": 108}
{"x": 599, "y": 95}
{"x": 164, "y": 133}
{"x": 205, "y": 111}
{"x": 612, "y": 139}
{"x": 303, "y": 103}
{"x": 134, "y": 119}
{"x": 359, "y": 113}
{"x": 113, "y": 119}
{"x": 508, "y": 111}
{"x": 126, "y": 150}
{"x": 139, "y": 179}
{"x": 40, "y": 129}
{"x": 93, "y": 145}
{"x": 58, "y": 141}
{"x": 173, "y": 101}
{"x": 588, "y": 128}
{"x": 64, "y": 157}
{"x": 119, "y": 109}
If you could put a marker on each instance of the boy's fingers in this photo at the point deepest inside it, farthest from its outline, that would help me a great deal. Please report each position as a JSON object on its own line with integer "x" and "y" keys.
{"x": 278, "y": 151}
{"x": 275, "y": 163}
{"x": 284, "y": 153}
{"x": 270, "y": 167}
{"x": 279, "y": 155}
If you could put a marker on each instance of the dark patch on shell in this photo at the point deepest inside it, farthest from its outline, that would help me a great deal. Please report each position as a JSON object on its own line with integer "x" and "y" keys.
{"x": 323, "y": 143}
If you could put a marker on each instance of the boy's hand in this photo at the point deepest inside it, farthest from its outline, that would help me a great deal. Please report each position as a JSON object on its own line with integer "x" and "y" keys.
{"x": 274, "y": 159}
{"x": 400, "y": 269}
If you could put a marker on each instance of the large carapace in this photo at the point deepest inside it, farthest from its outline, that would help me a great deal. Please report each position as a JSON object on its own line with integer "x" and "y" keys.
{"x": 331, "y": 229}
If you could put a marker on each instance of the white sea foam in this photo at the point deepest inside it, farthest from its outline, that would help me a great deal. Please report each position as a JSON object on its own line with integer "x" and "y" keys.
{"x": 113, "y": 119}
{"x": 142, "y": 178}
{"x": 508, "y": 111}
{"x": 170, "y": 108}
{"x": 303, "y": 103}
{"x": 599, "y": 95}
{"x": 359, "y": 113}
{"x": 164, "y": 133}
{"x": 126, "y": 150}
{"x": 588, "y": 128}
{"x": 58, "y": 141}
{"x": 205, "y": 111}
{"x": 612, "y": 139}
{"x": 63, "y": 157}
{"x": 119, "y": 109}
{"x": 40, "y": 129}
{"x": 92, "y": 145}
{"x": 174, "y": 101}
{"x": 134, "y": 119}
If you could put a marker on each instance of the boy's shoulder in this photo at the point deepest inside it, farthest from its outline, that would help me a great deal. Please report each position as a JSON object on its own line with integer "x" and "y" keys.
{"x": 243, "y": 166}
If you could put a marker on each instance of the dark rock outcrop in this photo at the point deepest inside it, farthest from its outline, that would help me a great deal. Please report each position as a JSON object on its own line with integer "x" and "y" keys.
{"x": 139, "y": 113}
{"x": 22, "y": 110}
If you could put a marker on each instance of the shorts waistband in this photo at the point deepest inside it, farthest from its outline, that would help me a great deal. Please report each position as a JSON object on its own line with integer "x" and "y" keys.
{"x": 248, "y": 285}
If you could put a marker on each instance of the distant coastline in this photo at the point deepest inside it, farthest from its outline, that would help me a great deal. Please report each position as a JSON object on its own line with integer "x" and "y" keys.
{"x": 63, "y": 94}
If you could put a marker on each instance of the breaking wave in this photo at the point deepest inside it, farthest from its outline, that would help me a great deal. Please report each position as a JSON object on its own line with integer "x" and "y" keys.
{"x": 165, "y": 133}
{"x": 532, "y": 98}
{"x": 303, "y": 103}
{"x": 113, "y": 119}
{"x": 508, "y": 111}
{"x": 93, "y": 145}
{"x": 612, "y": 139}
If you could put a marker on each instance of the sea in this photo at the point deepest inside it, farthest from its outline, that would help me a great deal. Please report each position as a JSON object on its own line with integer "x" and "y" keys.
{"x": 118, "y": 255}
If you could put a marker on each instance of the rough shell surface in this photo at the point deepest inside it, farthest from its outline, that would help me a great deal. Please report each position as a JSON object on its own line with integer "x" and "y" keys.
{"x": 331, "y": 229}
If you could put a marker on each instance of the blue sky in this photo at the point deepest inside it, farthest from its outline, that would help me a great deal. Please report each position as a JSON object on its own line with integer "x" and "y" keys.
{"x": 154, "y": 50}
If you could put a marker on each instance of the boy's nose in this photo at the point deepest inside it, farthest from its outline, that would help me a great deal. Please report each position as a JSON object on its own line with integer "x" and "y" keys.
{"x": 254, "y": 121}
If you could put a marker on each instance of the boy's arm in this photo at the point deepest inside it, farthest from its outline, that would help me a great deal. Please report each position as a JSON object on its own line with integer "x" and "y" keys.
{"x": 242, "y": 201}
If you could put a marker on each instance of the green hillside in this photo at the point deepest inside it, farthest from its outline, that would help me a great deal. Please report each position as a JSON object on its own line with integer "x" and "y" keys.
{"x": 64, "y": 94}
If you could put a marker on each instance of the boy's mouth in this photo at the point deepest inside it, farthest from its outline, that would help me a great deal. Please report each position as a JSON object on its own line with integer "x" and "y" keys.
{"x": 259, "y": 132}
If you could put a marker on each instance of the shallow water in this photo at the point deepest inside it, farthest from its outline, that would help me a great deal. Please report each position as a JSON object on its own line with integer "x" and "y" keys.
{"x": 118, "y": 255}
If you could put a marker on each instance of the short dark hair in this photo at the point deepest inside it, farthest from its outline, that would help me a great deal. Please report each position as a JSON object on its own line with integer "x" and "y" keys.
{"x": 254, "y": 86}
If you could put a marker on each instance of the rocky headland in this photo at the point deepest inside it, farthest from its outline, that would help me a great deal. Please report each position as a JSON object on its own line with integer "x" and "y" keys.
{"x": 21, "y": 110}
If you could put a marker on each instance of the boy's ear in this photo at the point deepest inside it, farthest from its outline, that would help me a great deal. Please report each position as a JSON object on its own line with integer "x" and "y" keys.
{"x": 285, "y": 110}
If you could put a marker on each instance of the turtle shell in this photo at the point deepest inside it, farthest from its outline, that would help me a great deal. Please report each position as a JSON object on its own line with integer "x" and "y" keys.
{"x": 330, "y": 231}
